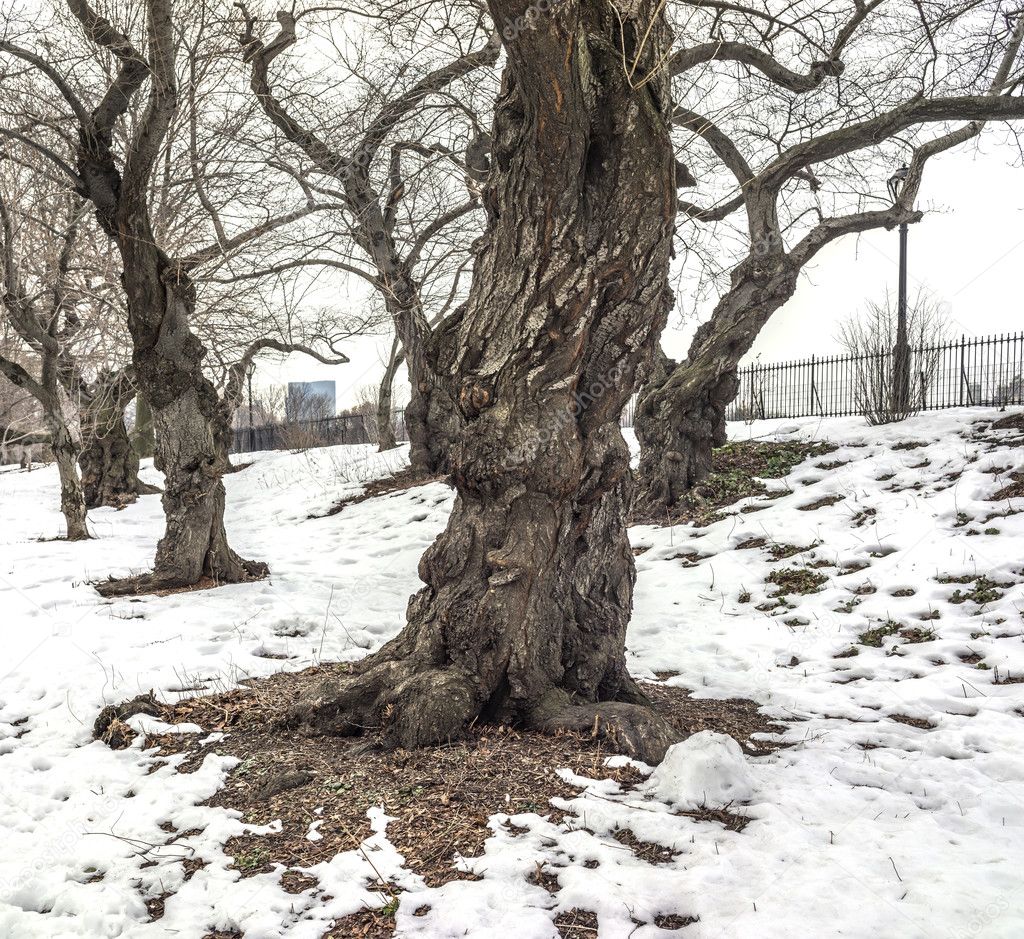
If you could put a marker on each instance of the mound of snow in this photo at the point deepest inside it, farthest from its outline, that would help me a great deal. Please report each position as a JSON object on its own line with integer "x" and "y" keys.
{"x": 706, "y": 769}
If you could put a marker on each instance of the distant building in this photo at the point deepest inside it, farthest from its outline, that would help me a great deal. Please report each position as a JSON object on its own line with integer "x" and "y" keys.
{"x": 310, "y": 400}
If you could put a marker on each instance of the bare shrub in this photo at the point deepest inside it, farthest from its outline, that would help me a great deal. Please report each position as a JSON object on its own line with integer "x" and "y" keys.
{"x": 870, "y": 339}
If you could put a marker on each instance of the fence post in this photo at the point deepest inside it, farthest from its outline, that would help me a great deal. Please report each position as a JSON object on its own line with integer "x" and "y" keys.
{"x": 963, "y": 342}
{"x": 810, "y": 402}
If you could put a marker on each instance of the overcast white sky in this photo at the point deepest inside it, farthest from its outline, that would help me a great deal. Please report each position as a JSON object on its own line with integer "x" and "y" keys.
{"x": 968, "y": 252}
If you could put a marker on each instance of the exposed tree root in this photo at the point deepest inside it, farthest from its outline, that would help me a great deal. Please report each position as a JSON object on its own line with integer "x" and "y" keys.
{"x": 630, "y": 728}
{"x": 154, "y": 583}
{"x": 412, "y": 706}
{"x": 408, "y": 706}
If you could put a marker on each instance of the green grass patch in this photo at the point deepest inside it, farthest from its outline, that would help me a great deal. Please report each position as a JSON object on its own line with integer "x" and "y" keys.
{"x": 982, "y": 591}
{"x": 250, "y": 860}
{"x": 780, "y": 552}
{"x": 801, "y": 580}
{"x": 876, "y": 636}
{"x": 917, "y": 634}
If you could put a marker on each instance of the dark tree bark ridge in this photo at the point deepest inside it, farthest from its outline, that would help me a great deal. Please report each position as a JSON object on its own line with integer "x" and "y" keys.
{"x": 143, "y": 441}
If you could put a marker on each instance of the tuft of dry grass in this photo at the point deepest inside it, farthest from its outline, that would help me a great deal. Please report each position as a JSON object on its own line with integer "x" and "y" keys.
{"x": 399, "y": 482}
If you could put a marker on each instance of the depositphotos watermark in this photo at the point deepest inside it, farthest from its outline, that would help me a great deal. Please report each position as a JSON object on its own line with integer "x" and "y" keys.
{"x": 560, "y": 419}
{"x": 528, "y": 18}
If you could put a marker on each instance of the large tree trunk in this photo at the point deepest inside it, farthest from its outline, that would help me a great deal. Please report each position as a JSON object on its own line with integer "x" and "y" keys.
{"x": 192, "y": 425}
{"x": 193, "y": 431}
{"x": 678, "y": 423}
{"x": 529, "y": 589}
{"x": 109, "y": 461}
{"x": 110, "y": 467}
{"x": 680, "y": 416}
{"x": 65, "y": 442}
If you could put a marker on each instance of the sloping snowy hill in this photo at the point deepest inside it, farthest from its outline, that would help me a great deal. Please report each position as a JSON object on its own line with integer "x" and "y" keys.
{"x": 872, "y": 598}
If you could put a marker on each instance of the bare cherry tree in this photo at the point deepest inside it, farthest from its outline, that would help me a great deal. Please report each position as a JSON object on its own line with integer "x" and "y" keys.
{"x": 800, "y": 154}
{"x": 83, "y": 358}
{"x": 528, "y": 591}
{"x": 402, "y": 218}
{"x": 120, "y": 166}
{"x": 38, "y": 301}
{"x": 529, "y": 588}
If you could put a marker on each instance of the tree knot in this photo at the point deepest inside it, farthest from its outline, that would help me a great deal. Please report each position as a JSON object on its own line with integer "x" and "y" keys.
{"x": 474, "y": 397}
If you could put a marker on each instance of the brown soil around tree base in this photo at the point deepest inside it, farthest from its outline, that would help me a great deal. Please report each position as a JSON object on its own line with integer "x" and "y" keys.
{"x": 440, "y": 797}
{"x": 148, "y": 585}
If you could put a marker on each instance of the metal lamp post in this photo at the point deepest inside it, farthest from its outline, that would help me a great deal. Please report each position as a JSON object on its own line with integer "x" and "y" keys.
{"x": 901, "y": 350}
{"x": 252, "y": 428}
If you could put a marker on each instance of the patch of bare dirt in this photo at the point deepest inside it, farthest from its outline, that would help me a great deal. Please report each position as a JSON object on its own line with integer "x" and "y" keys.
{"x": 1014, "y": 490}
{"x": 143, "y": 585}
{"x": 440, "y": 797}
{"x": 1010, "y": 422}
{"x": 576, "y": 924}
{"x": 919, "y": 722}
{"x": 821, "y": 503}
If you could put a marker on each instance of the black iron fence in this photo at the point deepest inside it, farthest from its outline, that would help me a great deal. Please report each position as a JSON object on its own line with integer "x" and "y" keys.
{"x": 321, "y": 432}
{"x": 329, "y": 431}
{"x": 982, "y": 371}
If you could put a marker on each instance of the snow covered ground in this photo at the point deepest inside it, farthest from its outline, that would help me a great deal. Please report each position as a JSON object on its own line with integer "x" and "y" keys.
{"x": 897, "y": 812}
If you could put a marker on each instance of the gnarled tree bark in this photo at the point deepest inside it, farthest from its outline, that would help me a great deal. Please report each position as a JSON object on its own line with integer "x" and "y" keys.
{"x": 680, "y": 416}
{"x": 143, "y": 441}
{"x": 432, "y": 423}
{"x": 108, "y": 461}
{"x": 66, "y": 443}
{"x": 529, "y": 589}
